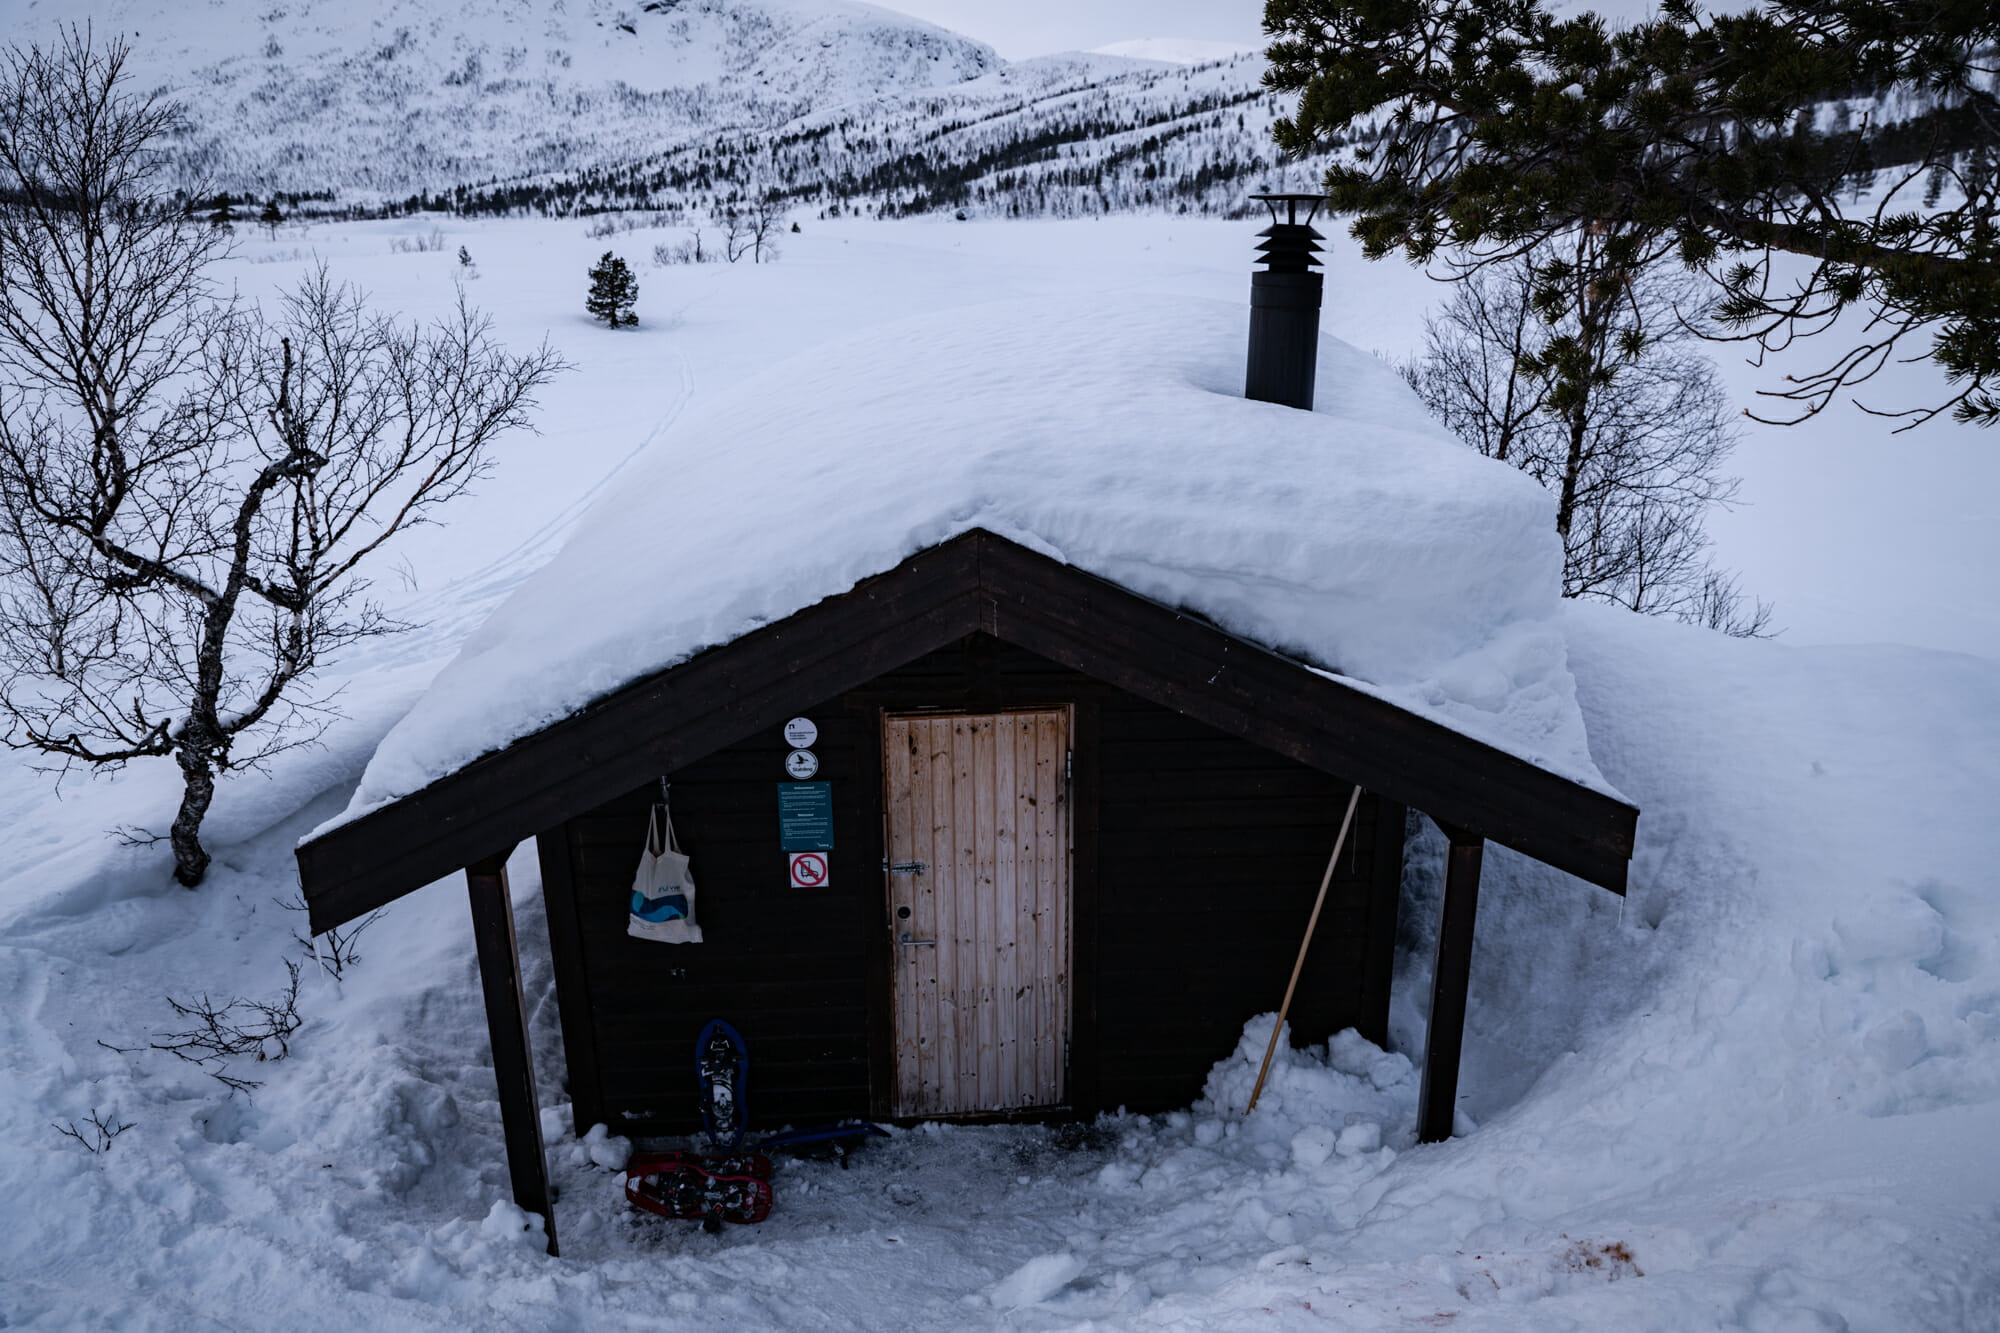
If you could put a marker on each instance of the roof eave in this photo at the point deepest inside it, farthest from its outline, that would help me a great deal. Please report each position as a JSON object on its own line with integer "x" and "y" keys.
{"x": 975, "y": 582}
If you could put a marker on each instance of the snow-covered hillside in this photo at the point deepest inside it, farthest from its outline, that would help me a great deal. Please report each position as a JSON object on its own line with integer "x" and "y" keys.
{"x": 1759, "y": 1094}
{"x": 560, "y": 106}
{"x": 384, "y": 97}
{"x": 1075, "y": 135}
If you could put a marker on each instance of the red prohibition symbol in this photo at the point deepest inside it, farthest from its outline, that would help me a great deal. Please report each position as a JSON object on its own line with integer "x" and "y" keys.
{"x": 808, "y": 870}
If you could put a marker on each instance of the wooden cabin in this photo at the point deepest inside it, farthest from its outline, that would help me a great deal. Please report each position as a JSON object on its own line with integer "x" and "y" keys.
{"x": 1075, "y": 839}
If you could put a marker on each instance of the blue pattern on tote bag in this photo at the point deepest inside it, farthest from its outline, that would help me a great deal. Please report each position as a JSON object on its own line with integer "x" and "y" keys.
{"x": 673, "y": 907}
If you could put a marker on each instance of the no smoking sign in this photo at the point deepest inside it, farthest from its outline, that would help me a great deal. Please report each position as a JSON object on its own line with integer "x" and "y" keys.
{"x": 808, "y": 869}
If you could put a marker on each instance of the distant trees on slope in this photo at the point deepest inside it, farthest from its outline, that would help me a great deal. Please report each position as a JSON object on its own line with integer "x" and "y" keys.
{"x": 1083, "y": 144}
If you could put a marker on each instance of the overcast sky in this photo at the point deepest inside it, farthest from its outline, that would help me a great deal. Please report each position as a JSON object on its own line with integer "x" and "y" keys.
{"x": 1021, "y": 28}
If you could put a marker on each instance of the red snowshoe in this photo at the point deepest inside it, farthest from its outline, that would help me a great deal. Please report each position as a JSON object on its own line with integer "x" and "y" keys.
{"x": 698, "y": 1186}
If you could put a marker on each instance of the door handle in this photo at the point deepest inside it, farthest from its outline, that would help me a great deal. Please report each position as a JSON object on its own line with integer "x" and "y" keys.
{"x": 905, "y": 940}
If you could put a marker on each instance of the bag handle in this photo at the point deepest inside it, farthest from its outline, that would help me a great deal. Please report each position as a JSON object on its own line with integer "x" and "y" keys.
{"x": 660, "y": 827}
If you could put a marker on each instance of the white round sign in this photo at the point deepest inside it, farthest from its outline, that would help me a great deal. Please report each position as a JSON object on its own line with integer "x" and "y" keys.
{"x": 801, "y": 732}
{"x": 802, "y": 764}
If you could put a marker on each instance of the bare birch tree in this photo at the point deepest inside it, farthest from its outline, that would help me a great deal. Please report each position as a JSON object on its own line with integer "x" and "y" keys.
{"x": 1587, "y": 379}
{"x": 188, "y": 486}
{"x": 766, "y": 218}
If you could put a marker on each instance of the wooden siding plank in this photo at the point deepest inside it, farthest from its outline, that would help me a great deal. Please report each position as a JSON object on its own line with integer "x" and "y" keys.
{"x": 1051, "y": 873}
{"x": 945, "y": 1037}
{"x": 1040, "y": 936}
{"x": 986, "y": 930}
{"x": 965, "y": 915}
{"x": 1007, "y": 1088}
{"x": 1025, "y": 950}
{"x": 924, "y": 965}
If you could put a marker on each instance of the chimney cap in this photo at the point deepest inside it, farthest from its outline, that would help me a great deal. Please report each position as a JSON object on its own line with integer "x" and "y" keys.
{"x": 1291, "y": 201}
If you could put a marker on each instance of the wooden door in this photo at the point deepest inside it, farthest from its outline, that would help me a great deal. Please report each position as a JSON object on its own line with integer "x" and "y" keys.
{"x": 978, "y": 814}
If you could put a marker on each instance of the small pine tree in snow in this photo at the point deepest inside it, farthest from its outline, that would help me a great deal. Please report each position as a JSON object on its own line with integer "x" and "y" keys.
{"x": 613, "y": 291}
{"x": 271, "y": 219}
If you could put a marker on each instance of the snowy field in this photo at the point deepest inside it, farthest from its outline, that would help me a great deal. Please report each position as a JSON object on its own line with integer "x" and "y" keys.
{"x": 1762, "y": 1093}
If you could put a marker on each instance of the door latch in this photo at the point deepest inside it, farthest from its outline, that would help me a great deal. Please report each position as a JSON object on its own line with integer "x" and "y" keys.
{"x": 904, "y": 867}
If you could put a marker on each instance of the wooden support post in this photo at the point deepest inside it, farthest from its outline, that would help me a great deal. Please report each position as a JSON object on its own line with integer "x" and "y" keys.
{"x": 507, "y": 1026}
{"x": 1450, "y": 980}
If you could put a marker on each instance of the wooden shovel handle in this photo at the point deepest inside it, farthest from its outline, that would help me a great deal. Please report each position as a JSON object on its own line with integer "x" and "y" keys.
{"x": 1311, "y": 923}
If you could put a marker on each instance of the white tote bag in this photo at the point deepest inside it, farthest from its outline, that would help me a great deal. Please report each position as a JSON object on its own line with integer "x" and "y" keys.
{"x": 663, "y": 891}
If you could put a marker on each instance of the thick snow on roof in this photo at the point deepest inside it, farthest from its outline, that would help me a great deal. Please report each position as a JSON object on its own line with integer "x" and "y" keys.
{"x": 1358, "y": 537}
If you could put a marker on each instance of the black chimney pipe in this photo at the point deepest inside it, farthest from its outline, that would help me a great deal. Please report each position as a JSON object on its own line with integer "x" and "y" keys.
{"x": 1284, "y": 306}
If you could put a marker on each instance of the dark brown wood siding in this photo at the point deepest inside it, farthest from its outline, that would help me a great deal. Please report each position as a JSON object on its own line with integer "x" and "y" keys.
{"x": 1210, "y": 852}
{"x": 784, "y": 966}
{"x": 1197, "y": 864}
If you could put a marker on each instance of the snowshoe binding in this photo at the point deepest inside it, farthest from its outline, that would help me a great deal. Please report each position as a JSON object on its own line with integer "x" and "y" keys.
{"x": 701, "y": 1187}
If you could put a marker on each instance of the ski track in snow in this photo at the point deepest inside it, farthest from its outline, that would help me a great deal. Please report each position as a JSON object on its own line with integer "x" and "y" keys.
{"x": 455, "y": 610}
{"x": 1759, "y": 1094}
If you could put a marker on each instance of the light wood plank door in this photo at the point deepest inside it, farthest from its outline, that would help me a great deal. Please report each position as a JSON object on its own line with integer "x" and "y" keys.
{"x": 978, "y": 814}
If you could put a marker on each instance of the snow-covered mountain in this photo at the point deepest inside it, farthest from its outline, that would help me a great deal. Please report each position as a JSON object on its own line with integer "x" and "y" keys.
{"x": 565, "y": 106}
{"x": 388, "y": 96}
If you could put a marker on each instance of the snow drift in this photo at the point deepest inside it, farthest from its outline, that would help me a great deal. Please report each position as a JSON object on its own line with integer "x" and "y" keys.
{"x": 1113, "y": 436}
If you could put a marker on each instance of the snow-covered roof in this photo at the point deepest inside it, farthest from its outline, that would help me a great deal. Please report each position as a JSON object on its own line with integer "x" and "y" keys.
{"x": 1111, "y": 435}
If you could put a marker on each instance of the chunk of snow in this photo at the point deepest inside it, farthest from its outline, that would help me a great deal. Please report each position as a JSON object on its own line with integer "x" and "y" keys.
{"x": 1288, "y": 1256}
{"x": 1035, "y": 1281}
{"x": 506, "y": 1222}
{"x": 606, "y": 1149}
{"x": 1360, "y": 1137}
{"x": 1312, "y": 1145}
{"x": 1897, "y": 1043}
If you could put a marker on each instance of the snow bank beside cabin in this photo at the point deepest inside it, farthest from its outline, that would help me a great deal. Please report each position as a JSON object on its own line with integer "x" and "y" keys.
{"x": 1358, "y": 537}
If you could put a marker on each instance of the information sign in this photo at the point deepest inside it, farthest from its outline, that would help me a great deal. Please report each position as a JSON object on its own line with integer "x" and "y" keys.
{"x": 805, "y": 816}
{"x": 801, "y": 732}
